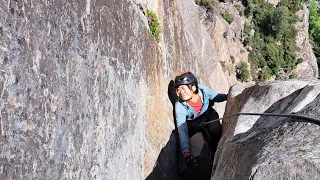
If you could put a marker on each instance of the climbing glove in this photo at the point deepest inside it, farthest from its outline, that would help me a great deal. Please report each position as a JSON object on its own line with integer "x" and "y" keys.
{"x": 190, "y": 160}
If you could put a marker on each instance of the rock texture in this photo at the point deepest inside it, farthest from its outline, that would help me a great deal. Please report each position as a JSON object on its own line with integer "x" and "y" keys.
{"x": 309, "y": 67}
{"x": 227, "y": 40}
{"x": 254, "y": 147}
{"x": 83, "y": 86}
{"x": 72, "y": 75}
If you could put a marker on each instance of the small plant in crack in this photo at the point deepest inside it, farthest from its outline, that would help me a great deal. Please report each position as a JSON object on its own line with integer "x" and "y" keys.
{"x": 153, "y": 24}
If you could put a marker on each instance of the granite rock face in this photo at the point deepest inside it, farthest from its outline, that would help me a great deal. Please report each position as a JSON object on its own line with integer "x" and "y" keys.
{"x": 264, "y": 147}
{"x": 83, "y": 86}
{"x": 72, "y": 75}
{"x": 309, "y": 67}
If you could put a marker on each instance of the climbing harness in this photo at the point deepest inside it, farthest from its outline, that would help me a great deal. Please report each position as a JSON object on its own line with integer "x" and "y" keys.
{"x": 312, "y": 119}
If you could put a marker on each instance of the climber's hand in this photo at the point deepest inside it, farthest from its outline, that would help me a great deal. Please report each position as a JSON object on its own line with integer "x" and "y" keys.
{"x": 190, "y": 160}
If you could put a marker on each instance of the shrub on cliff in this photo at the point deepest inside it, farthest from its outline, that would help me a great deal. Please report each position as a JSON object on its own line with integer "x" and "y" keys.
{"x": 209, "y": 4}
{"x": 228, "y": 17}
{"x": 293, "y": 76}
{"x": 153, "y": 24}
{"x": 243, "y": 71}
{"x": 202, "y": 2}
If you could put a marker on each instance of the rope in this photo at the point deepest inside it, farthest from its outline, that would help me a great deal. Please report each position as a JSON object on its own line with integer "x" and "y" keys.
{"x": 268, "y": 114}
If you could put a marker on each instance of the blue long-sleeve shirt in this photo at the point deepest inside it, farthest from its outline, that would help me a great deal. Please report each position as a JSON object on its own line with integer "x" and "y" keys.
{"x": 185, "y": 113}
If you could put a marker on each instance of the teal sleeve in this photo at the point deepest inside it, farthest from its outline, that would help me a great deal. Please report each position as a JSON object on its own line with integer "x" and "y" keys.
{"x": 181, "y": 116}
{"x": 211, "y": 94}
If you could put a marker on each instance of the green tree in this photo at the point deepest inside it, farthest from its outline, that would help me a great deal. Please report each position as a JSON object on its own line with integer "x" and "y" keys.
{"x": 314, "y": 29}
{"x": 243, "y": 71}
{"x": 247, "y": 28}
{"x": 273, "y": 44}
{"x": 314, "y": 20}
{"x": 274, "y": 57}
{"x": 265, "y": 74}
{"x": 289, "y": 46}
{"x": 293, "y": 5}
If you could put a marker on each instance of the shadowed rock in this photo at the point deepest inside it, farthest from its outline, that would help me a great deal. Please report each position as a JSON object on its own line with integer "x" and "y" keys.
{"x": 201, "y": 151}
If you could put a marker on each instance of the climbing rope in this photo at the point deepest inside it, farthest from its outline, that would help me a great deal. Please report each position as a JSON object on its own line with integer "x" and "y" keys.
{"x": 268, "y": 114}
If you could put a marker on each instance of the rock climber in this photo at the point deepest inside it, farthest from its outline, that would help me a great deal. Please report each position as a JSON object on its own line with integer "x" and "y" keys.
{"x": 192, "y": 109}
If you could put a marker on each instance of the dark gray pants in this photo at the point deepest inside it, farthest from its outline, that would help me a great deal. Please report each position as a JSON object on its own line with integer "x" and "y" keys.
{"x": 212, "y": 131}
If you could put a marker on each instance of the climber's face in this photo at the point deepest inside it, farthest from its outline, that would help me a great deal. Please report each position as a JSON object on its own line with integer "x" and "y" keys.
{"x": 184, "y": 92}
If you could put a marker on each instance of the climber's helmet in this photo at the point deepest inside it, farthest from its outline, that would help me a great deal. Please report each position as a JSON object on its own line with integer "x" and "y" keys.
{"x": 186, "y": 78}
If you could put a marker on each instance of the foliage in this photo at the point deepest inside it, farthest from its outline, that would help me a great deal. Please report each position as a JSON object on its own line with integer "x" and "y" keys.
{"x": 209, "y": 4}
{"x": 293, "y": 5}
{"x": 153, "y": 24}
{"x": 225, "y": 34}
{"x": 294, "y": 75}
{"x": 314, "y": 29}
{"x": 227, "y": 67}
{"x": 265, "y": 74}
{"x": 314, "y": 19}
{"x": 239, "y": 9}
{"x": 247, "y": 28}
{"x": 243, "y": 71}
{"x": 281, "y": 23}
{"x": 202, "y": 2}
{"x": 274, "y": 57}
{"x": 228, "y": 17}
{"x": 232, "y": 59}
{"x": 274, "y": 40}
{"x": 223, "y": 65}
{"x": 300, "y": 60}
